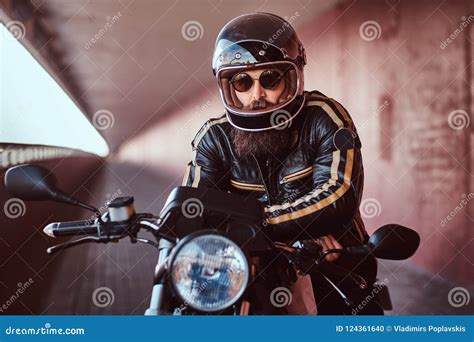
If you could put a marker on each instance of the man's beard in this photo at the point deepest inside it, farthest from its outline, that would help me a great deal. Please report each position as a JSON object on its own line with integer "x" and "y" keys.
{"x": 266, "y": 143}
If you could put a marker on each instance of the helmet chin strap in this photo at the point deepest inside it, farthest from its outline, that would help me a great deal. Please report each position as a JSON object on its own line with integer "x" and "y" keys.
{"x": 262, "y": 122}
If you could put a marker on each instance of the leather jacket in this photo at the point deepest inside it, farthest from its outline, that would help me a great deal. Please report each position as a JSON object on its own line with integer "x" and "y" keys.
{"x": 313, "y": 190}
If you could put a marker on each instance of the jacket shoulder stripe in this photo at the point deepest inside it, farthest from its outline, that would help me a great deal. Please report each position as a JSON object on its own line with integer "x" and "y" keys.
{"x": 186, "y": 175}
{"x": 197, "y": 139}
{"x": 337, "y": 108}
{"x": 197, "y": 176}
{"x": 341, "y": 109}
{"x": 202, "y": 132}
{"x": 329, "y": 111}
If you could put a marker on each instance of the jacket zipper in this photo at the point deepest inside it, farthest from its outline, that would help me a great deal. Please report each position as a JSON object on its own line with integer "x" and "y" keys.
{"x": 297, "y": 175}
{"x": 247, "y": 186}
{"x": 263, "y": 179}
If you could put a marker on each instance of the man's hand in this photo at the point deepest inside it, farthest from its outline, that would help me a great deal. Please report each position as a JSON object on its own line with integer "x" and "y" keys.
{"x": 329, "y": 242}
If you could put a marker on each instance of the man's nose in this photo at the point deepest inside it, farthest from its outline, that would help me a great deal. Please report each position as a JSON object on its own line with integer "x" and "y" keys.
{"x": 258, "y": 91}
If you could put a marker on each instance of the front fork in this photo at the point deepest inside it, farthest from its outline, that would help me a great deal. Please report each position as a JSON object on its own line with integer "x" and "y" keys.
{"x": 158, "y": 292}
{"x": 243, "y": 309}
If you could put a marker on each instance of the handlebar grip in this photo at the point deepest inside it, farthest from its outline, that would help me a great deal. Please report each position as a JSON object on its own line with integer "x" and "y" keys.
{"x": 82, "y": 227}
{"x": 357, "y": 250}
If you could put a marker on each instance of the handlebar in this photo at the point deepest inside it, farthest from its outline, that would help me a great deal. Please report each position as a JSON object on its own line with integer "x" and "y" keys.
{"x": 102, "y": 231}
{"x": 81, "y": 227}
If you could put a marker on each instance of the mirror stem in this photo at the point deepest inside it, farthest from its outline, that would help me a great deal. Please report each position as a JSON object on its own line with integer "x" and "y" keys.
{"x": 88, "y": 207}
{"x": 65, "y": 198}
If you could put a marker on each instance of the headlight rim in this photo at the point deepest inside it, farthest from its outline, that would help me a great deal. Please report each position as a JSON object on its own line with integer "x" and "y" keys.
{"x": 184, "y": 242}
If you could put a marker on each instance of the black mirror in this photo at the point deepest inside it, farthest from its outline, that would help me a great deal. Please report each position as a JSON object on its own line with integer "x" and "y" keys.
{"x": 394, "y": 242}
{"x": 31, "y": 182}
{"x": 37, "y": 183}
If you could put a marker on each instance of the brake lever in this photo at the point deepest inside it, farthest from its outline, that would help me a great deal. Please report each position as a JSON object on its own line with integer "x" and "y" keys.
{"x": 295, "y": 255}
{"x": 145, "y": 241}
{"x": 326, "y": 253}
{"x": 86, "y": 239}
{"x": 301, "y": 254}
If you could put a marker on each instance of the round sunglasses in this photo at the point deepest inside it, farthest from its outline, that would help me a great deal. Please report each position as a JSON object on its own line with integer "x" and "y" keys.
{"x": 269, "y": 79}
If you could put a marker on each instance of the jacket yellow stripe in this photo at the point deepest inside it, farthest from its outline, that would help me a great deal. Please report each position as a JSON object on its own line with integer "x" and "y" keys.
{"x": 332, "y": 181}
{"x": 207, "y": 126}
{"x": 247, "y": 186}
{"x": 202, "y": 133}
{"x": 344, "y": 113}
{"x": 186, "y": 175}
{"x": 196, "y": 141}
{"x": 249, "y": 189}
{"x": 298, "y": 173}
{"x": 324, "y": 202}
{"x": 324, "y": 106}
{"x": 292, "y": 178}
{"x": 334, "y": 164}
{"x": 197, "y": 176}
{"x": 338, "y": 106}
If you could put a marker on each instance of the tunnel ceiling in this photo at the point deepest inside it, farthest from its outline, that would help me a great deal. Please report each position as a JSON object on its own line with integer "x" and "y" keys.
{"x": 132, "y": 59}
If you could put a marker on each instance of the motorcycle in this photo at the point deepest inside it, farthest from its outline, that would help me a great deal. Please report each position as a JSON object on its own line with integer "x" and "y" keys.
{"x": 212, "y": 246}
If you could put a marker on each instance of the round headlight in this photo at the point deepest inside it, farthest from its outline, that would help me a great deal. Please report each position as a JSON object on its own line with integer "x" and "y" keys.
{"x": 209, "y": 272}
